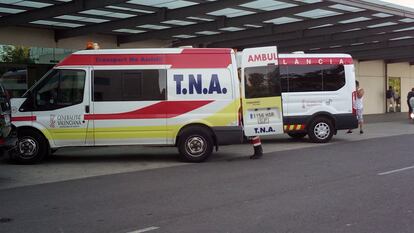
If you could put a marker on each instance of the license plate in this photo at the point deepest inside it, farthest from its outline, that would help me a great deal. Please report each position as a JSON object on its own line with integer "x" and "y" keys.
{"x": 262, "y": 117}
{"x": 263, "y": 120}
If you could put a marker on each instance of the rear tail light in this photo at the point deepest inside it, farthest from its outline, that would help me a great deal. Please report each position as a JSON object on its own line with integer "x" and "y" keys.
{"x": 240, "y": 116}
{"x": 353, "y": 103}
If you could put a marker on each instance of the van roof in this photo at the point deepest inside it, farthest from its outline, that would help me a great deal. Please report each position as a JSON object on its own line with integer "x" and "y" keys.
{"x": 157, "y": 51}
{"x": 173, "y": 57}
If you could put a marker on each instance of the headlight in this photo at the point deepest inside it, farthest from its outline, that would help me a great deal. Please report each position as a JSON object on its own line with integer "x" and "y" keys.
{"x": 412, "y": 115}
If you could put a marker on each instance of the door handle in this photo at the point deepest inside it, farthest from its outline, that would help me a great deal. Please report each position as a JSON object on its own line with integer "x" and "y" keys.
{"x": 87, "y": 109}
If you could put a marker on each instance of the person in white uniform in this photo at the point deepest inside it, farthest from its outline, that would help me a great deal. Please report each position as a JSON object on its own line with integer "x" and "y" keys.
{"x": 359, "y": 106}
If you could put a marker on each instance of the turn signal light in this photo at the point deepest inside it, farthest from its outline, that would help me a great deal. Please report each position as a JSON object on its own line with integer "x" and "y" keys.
{"x": 92, "y": 45}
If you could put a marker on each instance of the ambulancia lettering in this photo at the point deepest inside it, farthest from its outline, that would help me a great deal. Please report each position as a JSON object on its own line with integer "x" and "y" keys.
{"x": 195, "y": 85}
{"x": 262, "y": 57}
{"x": 315, "y": 61}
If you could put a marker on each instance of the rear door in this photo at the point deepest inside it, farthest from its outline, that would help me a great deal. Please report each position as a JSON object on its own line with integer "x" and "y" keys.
{"x": 261, "y": 92}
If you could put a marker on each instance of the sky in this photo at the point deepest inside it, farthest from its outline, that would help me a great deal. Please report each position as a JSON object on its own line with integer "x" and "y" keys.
{"x": 407, "y": 3}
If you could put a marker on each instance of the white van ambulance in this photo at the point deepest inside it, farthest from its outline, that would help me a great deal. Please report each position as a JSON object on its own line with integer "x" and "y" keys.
{"x": 185, "y": 97}
{"x": 318, "y": 94}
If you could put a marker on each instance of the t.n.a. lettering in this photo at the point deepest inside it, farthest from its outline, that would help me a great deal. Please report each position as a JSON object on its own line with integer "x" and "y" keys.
{"x": 196, "y": 86}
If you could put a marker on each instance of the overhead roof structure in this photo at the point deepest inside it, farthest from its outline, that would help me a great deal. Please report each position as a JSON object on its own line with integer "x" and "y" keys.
{"x": 366, "y": 29}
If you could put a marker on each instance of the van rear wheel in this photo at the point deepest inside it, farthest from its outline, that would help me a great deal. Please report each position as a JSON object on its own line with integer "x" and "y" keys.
{"x": 31, "y": 147}
{"x": 321, "y": 130}
{"x": 195, "y": 144}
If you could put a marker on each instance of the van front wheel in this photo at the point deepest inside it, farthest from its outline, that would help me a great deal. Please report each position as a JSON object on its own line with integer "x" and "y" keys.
{"x": 195, "y": 145}
{"x": 321, "y": 130}
{"x": 31, "y": 147}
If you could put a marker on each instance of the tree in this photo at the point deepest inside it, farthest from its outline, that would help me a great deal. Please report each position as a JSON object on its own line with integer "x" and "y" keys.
{"x": 16, "y": 54}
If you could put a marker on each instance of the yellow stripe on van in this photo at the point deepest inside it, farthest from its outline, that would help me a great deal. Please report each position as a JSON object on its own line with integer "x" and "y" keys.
{"x": 224, "y": 117}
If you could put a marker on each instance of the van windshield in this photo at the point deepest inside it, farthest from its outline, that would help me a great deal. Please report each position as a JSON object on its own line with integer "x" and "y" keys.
{"x": 4, "y": 101}
{"x": 2, "y": 91}
{"x": 27, "y": 93}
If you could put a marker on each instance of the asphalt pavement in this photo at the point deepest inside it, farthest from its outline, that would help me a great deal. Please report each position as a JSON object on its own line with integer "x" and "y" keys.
{"x": 348, "y": 186}
{"x": 78, "y": 163}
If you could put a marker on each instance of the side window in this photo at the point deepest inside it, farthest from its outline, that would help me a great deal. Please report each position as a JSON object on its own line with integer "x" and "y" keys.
{"x": 60, "y": 89}
{"x": 284, "y": 75}
{"x": 263, "y": 81}
{"x": 107, "y": 85}
{"x": 132, "y": 85}
{"x": 333, "y": 77}
{"x": 46, "y": 94}
{"x": 129, "y": 85}
{"x": 308, "y": 78}
{"x": 71, "y": 86}
{"x": 305, "y": 78}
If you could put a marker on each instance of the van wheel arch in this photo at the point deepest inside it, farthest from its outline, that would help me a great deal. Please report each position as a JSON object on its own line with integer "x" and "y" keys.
{"x": 29, "y": 128}
{"x": 326, "y": 115}
{"x": 195, "y": 125}
{"x": 195, "y": 143}
{"x": 324, "y": 122}
{"x": 37, "y": 135}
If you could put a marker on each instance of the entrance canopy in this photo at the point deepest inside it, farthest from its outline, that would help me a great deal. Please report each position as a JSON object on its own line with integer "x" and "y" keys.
{"x": 369, "y": 30}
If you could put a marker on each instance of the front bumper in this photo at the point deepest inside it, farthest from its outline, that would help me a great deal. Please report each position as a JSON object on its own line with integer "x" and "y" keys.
{"x": 8, "y": 142}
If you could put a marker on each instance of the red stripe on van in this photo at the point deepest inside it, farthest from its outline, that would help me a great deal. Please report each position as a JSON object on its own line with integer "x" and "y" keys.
{"x": 24, "y": 118}
{"x": 316, "y": 61}
{"x": 207, "y": 51}
{"x": 207, "y": 59}
{"x": 165, "y": 109}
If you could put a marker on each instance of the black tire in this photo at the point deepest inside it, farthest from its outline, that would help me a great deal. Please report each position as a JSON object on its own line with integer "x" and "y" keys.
{"x": 297, "y": 135}
{"x": 320, "y": 130}
{"x": 35, "y": 145}
{"x": 195, "y": 144}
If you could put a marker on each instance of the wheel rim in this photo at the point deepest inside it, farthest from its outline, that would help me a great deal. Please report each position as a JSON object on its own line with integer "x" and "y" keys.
{"x": 195, "y": 146}
{"x": 27, "y": 148}
{"x": 322, "y": 130}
